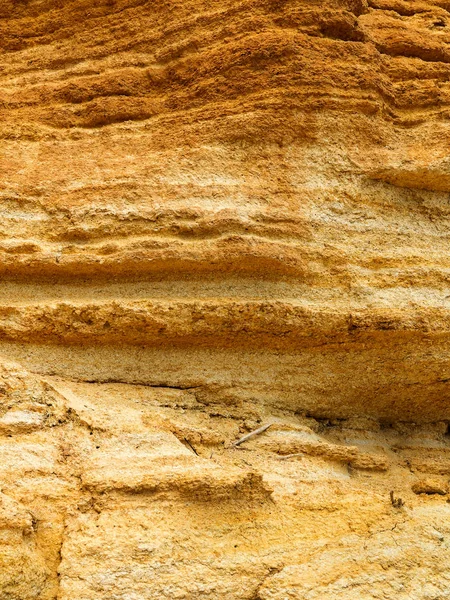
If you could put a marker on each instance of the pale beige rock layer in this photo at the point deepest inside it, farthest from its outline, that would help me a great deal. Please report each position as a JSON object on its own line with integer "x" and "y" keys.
{"x": 119, "y": 490}
{"x": 217, "y": 216}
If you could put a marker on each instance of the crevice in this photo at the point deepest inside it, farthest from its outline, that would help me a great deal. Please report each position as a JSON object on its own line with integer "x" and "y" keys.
{"x": 149, "y": 385}
{"x": 417, "y": 53}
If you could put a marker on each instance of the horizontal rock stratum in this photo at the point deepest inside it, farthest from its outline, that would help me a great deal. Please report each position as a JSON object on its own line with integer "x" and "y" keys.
{"x": 217, "y": 216}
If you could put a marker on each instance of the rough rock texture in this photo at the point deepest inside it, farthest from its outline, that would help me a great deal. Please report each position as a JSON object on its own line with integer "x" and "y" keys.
{"x": 217, "y": 216}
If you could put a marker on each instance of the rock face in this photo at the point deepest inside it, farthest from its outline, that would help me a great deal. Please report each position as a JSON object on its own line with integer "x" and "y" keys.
{"x": 218, "y": 216}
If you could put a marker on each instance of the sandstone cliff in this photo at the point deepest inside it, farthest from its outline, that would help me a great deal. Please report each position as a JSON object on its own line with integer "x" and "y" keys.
{"x": 218, "y": 216}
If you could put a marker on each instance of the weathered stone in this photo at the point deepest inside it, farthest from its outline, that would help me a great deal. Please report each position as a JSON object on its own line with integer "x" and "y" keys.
{"x": 430, "y": 486}
{"x": 217, "y": 216}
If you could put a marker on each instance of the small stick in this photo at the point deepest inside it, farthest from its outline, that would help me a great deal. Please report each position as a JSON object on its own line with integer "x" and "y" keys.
{"x": 191, "y": 446}
{"x": 247, "y": 436}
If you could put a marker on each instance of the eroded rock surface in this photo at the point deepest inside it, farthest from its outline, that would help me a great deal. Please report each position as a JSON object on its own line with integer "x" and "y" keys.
{"x": 217, "y": 216}
{"x": 131, "y": 491}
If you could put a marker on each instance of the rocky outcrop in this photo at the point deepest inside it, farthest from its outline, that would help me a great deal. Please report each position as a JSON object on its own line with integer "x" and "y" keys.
{"x": 130, "y": 490}
{"x": 218, "y": 216}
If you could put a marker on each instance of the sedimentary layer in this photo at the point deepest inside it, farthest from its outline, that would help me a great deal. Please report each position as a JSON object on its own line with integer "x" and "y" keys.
{"x": 249, "y": 175}
{"x": 217, "y": 216}
{"x": 119, "y": 490}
